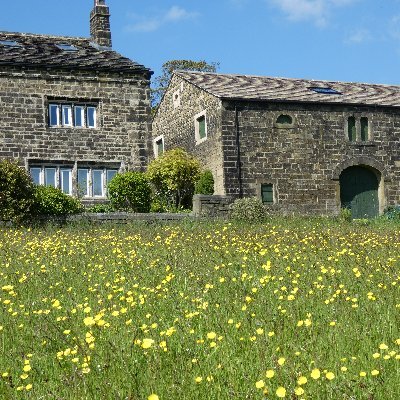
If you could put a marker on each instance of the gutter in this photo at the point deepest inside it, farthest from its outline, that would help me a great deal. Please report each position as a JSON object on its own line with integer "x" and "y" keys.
{"x": 238, "y": 159}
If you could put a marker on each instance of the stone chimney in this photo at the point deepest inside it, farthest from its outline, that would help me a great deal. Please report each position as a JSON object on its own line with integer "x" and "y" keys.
{"x": 100, "y": 24}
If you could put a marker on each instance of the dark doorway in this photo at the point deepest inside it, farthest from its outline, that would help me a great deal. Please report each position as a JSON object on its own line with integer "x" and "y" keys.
{"x": 359, "y": 192}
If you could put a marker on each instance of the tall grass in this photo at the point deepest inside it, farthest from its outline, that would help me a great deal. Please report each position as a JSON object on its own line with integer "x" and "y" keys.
{"x": 201, "y": 311}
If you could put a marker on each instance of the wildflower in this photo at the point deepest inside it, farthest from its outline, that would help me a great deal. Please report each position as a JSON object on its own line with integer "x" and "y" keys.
{"x": 270, "y": 374}
{"x": 330, "y": 376}
{"x": 147, "y": 343}
{"x": 302, "y": 380}
{"x": 211, "y": 335}
{"x": 281, "y": 361}
{"x": 89, "y": 321}
{"x": 315, "y": 373}
{"x": 260, "y": 384}
{"x": 153, "y": 397}
{"x": 198, "y": 379}
{"x": 281, "y": 392}
{"x": 363, "y": 373}
{"x": 374, "y": 372}
{"x": 299, "y": 391}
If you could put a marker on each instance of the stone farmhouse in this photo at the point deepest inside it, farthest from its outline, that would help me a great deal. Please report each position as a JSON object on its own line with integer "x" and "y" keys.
{"x": 302, "y": 146}
{"x": 73, "y": 111}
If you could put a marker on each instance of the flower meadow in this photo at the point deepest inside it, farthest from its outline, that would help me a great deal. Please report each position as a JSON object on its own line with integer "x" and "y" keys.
{"x": 295, "y": 309}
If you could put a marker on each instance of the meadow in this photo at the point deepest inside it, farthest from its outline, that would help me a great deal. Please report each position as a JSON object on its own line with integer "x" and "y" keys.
{"x": 295, "y": 309}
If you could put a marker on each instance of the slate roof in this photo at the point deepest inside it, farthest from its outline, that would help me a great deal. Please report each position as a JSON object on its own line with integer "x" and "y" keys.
{"x": 41, "y": 51}
{"x": 260, "y": 88}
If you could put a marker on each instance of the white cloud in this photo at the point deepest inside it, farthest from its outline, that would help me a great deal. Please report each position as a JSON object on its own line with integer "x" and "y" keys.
{"x": 317, "y": 11}
{"x": 151, "y": 24}
{"x": 358, "y": 36}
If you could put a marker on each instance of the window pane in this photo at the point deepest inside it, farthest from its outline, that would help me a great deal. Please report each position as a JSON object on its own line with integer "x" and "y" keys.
{"x": 50, "y": 177}
{"x": 66, "y": 115}
{"x": 284, "y": 119}
{"x": 35, "y": 174}
{"x": 66, "y": 181}
{"x": 79, "y": 116}
{"x": 202, "y": 127}
{"x": 110, "y": 174}
{"x": 97, "y": 183}
{"x": 267, "y": 193}
{"x": 364, "y": 129}
{"x": 91, "y": 117}
{"x": 53, "y": 115}
{"x": 160, "y": 147}
{"x": 352, "y": 129}
{"x": 83, "y": 180}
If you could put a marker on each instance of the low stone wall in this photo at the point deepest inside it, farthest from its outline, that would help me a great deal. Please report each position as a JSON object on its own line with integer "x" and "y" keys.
{"x": 211, "y": 206}
{"x": 123, "y": 217}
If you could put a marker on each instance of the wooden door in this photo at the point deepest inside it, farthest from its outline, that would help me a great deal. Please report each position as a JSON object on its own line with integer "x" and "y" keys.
{"x": 359, "y": 192}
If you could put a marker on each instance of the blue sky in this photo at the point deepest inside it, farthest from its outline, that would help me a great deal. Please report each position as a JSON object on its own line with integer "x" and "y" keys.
{"x": 345, "y": 40}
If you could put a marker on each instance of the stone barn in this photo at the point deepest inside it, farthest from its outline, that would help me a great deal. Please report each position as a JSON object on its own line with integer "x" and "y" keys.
{"x": 302, "y": 146}
{"x": 73, "y": 111}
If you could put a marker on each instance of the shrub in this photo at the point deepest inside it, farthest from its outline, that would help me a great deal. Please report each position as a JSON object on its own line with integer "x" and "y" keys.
{"x": 248, "y": 209}
{"x": 130, "y": 191}
{"x": 16, "y": 192}
{"x": 392, "y": 213}
{"x": 345, "y": 215}
{"x": 173, "y": 176}
{"x": 53, "y": 202}
{"x": 205, "y": 184}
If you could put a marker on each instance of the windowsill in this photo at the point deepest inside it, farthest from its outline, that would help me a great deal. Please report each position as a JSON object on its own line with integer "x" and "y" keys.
{"x": 199, "y": 141}
{"x": 284, "y": 126}
{"x": 362, "y": 144}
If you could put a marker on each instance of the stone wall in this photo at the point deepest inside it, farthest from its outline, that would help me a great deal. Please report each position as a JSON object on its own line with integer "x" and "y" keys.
{"x": 304, "y": 162}
{"x": 211, "y": 206}
{"x": 123, "y": 123}
{"x": 177, "y": 126}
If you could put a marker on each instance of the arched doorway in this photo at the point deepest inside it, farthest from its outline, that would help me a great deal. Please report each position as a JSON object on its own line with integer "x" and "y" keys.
{"x": 359, "y": 192}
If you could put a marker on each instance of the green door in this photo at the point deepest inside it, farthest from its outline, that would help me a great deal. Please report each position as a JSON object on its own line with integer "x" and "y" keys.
{"x": 359, "y": 192}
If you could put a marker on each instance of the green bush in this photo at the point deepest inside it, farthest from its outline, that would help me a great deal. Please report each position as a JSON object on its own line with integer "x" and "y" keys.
{"x": 16, "y": 192}
{"x": 130, "y": 191}
{"x": 173, "y": 176}
{"x": 248, "y": 209}
{"x": 205, "y": 184}
{"x": 50, "y": 201}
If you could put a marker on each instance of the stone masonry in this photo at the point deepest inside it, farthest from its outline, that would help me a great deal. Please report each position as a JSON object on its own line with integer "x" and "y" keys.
{"x": 246, "y": 147}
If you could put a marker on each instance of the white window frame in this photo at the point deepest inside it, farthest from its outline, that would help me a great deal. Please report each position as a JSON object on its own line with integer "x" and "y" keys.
{"x": 155, "y": 146}
{"x": 58, "y": 179}
{"x": 69, "y": 109}
{"x": 69, "y": 170}
{"x": 197, "y": 127}
{"x": 176, "y": 98}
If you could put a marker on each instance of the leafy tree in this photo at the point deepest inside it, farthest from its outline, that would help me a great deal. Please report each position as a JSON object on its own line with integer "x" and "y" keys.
{"x": 161, "y": 82}
{"x": 16, "y": 192}
{"x": 174, "y": 175}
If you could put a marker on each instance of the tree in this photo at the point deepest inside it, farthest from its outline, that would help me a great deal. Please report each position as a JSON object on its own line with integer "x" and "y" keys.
{"x": 174, "y": 175}
{"x": 161, "y": 82}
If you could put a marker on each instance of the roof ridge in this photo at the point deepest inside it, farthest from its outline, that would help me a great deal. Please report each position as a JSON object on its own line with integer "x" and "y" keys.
{"x": 285, "y": 78}
{"x": 44, "y": 35}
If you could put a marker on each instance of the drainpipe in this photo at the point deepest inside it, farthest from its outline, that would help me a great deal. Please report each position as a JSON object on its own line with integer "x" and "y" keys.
{"x": 238, "y": 160}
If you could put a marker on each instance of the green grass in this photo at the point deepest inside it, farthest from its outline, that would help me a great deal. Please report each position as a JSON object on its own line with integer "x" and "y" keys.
{"x": 320, "y": 294}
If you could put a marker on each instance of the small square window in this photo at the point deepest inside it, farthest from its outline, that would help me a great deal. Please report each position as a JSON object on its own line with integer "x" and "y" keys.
{"x": 267, "y": 193}
{"x": 66, "y": 47}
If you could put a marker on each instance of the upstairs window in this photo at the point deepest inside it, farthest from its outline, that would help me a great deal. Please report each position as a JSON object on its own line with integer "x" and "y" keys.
{"x": 66, "y": 47}
{"x": 358, "y": 129}
{"x": 284, "y": 120}
{"x": 10, "y": 43}
{"x": 200, "y": 127}
{"x": 324, "y": 90}
{"x": 351, "y": 129}
{"x": 72, "y": 115}
{"x": 158, "y": 146}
